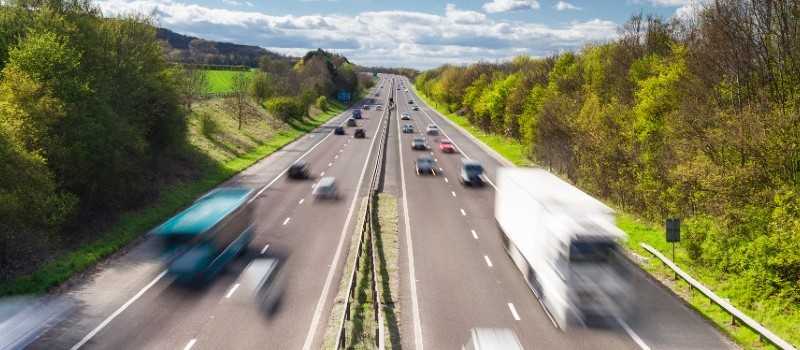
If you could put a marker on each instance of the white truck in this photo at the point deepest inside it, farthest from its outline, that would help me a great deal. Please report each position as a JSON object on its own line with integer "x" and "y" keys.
{"x": 565, "y": 242}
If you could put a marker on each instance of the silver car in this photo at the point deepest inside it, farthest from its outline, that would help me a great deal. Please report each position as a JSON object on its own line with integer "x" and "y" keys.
{"x": 424, "y": 165}
{"x": 325, "y": 188}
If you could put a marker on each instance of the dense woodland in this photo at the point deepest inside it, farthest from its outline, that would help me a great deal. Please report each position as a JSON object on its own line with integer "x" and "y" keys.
{"x": 694, "y": 118}
{"x": 94, "y": 118}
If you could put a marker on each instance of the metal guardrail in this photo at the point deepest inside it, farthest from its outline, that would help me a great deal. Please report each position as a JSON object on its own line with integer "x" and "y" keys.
{"x": 367, "y": 231}
{"x": 763, "y": 333}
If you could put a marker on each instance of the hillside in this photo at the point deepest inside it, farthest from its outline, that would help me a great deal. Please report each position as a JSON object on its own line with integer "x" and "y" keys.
{"x": 189, "y": 49}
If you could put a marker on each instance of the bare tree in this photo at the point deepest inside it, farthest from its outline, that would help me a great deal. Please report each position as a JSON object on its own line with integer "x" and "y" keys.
{"x": 193, "y": 83}
{"x": 239, "y": 104}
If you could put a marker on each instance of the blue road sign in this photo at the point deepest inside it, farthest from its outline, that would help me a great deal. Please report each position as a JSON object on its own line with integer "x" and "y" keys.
{"x": 343, "y": 96}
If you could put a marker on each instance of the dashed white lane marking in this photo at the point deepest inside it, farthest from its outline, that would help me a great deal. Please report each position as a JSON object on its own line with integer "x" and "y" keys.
{"x": 286, "y": 221}
{"x": 336, "y": 157}
{"x": 463, "y": 212}
{"x": 190, "y": 345}
{"x": 513, "y": 311}
{"x": 474, "y": 234}
{"x": 453, "y": 192}
{"x": 322, "y": 174}
{"x": 631, "y": 333}
{"x": 488, "y": 262}
{"x": 331, "y": 163}
{"x": 341, "y": 150}
{"x": 445, "y": 180}
{"x": 265, "y": 249}
{"x": 301, "y": 201}
{"x": 233, "y": 289}
{"x": 119, "y": 311}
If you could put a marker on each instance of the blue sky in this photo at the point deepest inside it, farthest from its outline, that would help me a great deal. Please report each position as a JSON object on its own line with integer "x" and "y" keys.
{"x": 419, "y": 34}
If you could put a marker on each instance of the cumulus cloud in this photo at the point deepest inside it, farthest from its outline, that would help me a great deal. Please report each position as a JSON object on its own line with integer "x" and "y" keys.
{"x": 561, "y": 6}
{"x": 387, "y": 38}
{"x": 510, "y": 5}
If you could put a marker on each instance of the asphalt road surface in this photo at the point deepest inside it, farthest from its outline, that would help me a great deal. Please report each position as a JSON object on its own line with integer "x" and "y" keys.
{"x": 455, "y": 273}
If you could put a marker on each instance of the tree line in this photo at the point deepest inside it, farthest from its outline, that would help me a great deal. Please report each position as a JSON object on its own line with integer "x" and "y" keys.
{"x": 94, "y": 119}
{"x": 694, "y": 117}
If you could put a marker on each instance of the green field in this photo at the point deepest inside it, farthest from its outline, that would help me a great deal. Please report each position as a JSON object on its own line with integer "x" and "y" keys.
{"x": 220, "y": 80}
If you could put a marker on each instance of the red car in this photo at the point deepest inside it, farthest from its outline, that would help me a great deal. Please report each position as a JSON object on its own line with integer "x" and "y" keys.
{"x": 446, "y": 146}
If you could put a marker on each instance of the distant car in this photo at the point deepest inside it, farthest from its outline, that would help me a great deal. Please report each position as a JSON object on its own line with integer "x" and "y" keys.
{"x": 338, "y": 131}
{"x": 360, "y": 133}
{"x": 432, "y": 129}
{"x": 405, "y": 116}
{"x": 471, "y": 172}
{"x": 424, "y": 164}
{"x": 418, "y": 143}
{"x": 446, "y": 146}
{"x": 377, "y": 94}
{"x": 398, "y": 88}
{"x": 365, "y": 107}
{"x": 378, "y": 107}
{"x": 411, "y": 102}
{"x": 406, "y": 90}
{"x": 325, "y": 188}
{"x": 415, "y": 108}
{"x": 298, "y": 170}
{"x": 351, "y": 122}
{"x": 356, "y": 113}
{"x": 408, "y": 128}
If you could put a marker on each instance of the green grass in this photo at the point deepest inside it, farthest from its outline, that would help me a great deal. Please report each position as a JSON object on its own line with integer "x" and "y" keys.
{"x": 777, "y": 316}
{"x": 387, "y": 244}
{"x": 177, "y": 196}
{"x": 221, "y": 80}
{"x": 331, "y": 331}
{"x": 510, "y": 148}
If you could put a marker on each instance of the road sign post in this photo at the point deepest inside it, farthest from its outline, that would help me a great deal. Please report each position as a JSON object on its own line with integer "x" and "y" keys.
{"x": 673, "y": 235}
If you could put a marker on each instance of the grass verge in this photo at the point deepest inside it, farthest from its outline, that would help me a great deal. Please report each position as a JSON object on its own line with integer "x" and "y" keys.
{"x": 133, "y": 224}
{"x": 387, "y": 243}
{"x": 777, "y": 316}
{"x": 331, "y": 331}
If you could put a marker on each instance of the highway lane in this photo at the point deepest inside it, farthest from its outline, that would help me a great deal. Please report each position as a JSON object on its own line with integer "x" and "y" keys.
{"x": 168, "y": 316}
{"x": 458, "y": 289}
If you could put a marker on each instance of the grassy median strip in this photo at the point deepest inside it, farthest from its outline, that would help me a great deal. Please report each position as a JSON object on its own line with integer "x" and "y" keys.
{"x": 360, "y": 329}
{"x": 777, "y": 316}
{"x": 388, "y": 253}
{"x": 133, "y": 224}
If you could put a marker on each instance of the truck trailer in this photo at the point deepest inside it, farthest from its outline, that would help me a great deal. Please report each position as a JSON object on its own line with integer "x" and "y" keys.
{"x": 566, "y": 245}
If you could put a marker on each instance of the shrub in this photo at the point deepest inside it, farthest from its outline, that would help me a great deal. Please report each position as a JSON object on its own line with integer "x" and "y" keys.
{"x": 208, "y": 125}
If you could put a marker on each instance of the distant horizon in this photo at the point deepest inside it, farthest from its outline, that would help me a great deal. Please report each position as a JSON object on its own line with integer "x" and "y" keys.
{"x": 412, "y": 34}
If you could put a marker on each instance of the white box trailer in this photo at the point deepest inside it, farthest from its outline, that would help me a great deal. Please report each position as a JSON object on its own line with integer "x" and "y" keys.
{"x": 565, "y": 242}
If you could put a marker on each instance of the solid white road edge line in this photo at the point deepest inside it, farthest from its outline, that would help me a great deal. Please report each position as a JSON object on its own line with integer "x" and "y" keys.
{"x": 631, "y": 333}
{"x": 153, "y": 282}
{"x": 513, "y": 311}
{"x": 321, "y": 303}
{"x": 191, "y": 344}
{"x": 410, "y": 249}
{"x": 233, "y": 289}
{"x": 119, "y": 311}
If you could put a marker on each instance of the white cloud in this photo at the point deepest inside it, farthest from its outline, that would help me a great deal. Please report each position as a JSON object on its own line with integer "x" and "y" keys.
{"x": 387, "y": 38}
{"x": 561, "y": 6}
{"x": 510, "y": 5}
{"x": 671, "y": 3}
{"x": 231, "y": 2}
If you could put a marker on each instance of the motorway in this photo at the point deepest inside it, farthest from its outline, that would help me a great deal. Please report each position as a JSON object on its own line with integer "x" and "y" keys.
{"x": 455, "y": 273}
